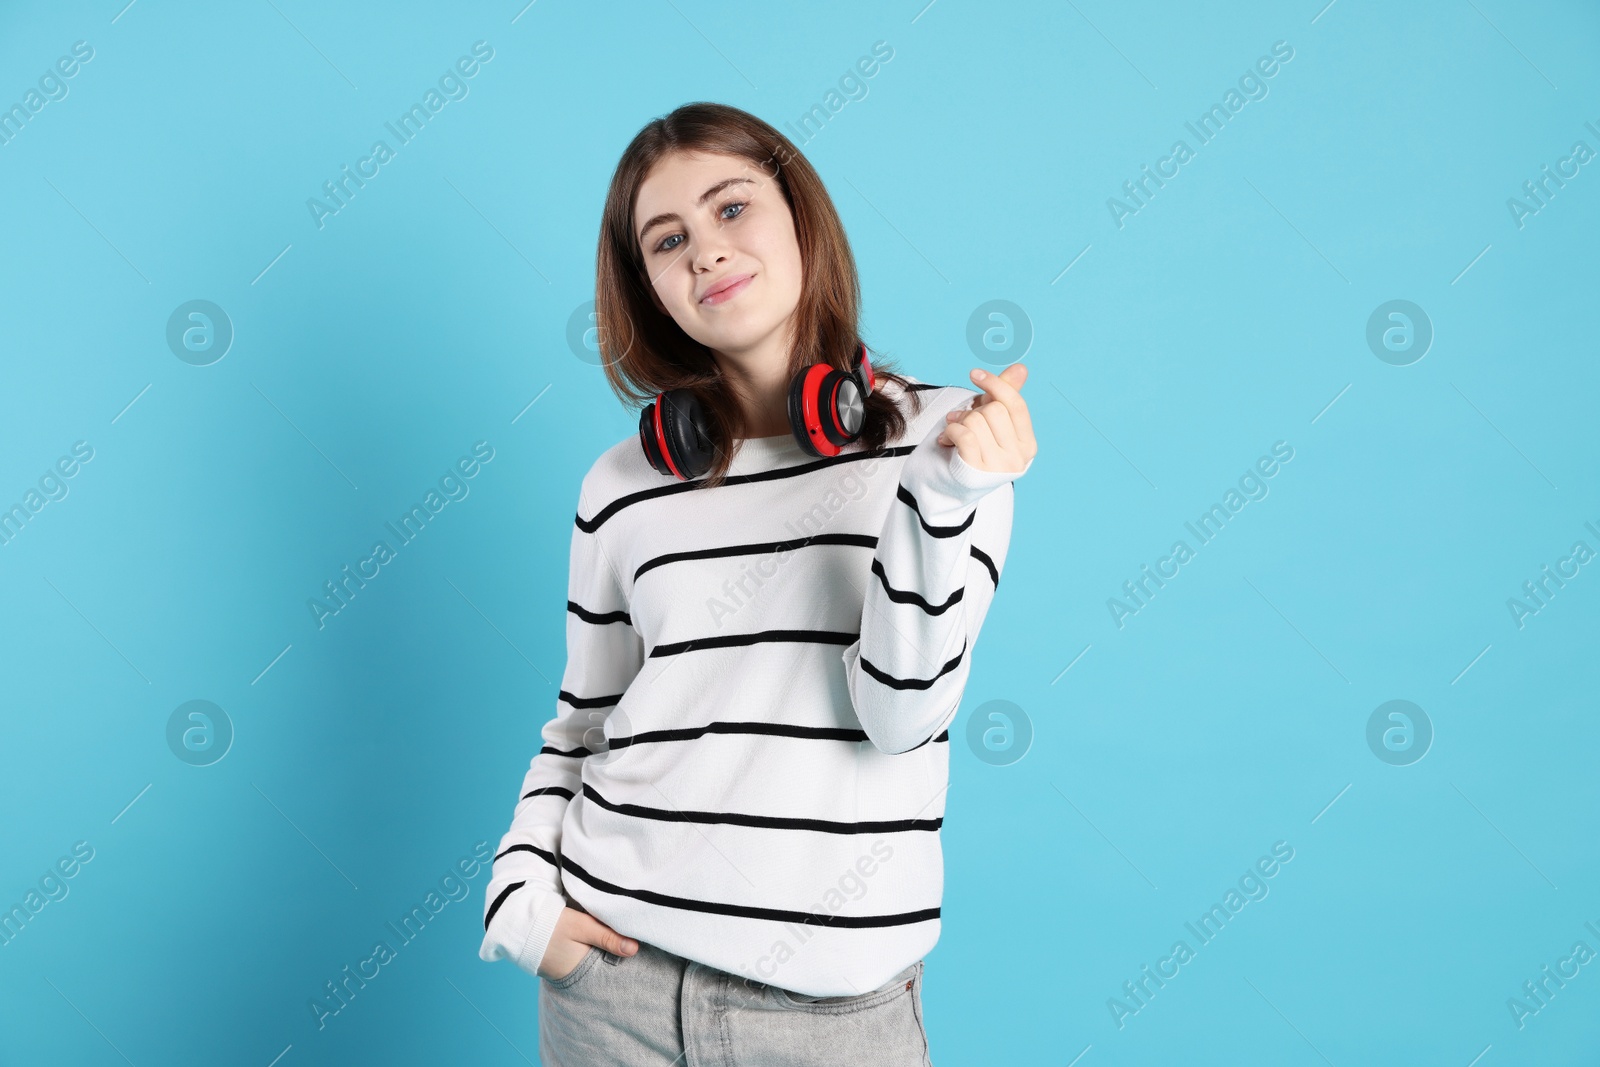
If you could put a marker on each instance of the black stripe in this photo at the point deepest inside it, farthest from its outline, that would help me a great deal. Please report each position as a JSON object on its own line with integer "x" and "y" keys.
{"x": 825, "y": 637}
{"x": 913, "y": 683}
{"x": 906, "y": 596}
{"x": 588, "y": 702}
{"x": 548, "y": 857}
{"x": 854, "y": 922}
{"x": 538, "y": 851}
{"x": 549, "y": 791}
{"x": 770, "y": 729}
{"x": 983, "y": 557}
{"x": 692, "y": 733}
{"x": 598, "y": 616}
{"x": 859, "y": 540}
{"x": 499, "y": 900}
{"x": 629, "y": 499}
{"x": 934, "y": 531}
{"x": 768, "y": 822}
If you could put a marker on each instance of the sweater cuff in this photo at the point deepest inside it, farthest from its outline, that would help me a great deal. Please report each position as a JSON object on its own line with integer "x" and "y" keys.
{"x": 523, "y": 927}
{"x": 945, "y": 485}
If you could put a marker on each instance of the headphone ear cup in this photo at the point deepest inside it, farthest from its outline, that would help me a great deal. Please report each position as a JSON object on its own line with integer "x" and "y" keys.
{"x": 805, "y": 416}
{"x": 683, "y": 433}
{"x": 649, "y": 443}
{"x": 797, "y": 415}
{"x": 826, "y": 409}
{"x": 843, "y": 406}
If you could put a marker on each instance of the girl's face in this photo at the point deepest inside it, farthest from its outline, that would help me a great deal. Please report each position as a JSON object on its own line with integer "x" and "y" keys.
{"x": 717, "y": 239}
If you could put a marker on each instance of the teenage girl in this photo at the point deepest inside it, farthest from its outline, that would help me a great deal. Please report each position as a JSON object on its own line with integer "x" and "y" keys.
{"x": 727, "y": 850}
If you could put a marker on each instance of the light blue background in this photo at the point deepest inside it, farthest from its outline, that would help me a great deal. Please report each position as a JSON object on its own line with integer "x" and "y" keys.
{"x": 431, "y": 312}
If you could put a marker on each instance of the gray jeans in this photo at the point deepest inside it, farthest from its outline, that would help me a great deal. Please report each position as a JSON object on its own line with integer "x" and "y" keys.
{"x": 657, "y": 1009}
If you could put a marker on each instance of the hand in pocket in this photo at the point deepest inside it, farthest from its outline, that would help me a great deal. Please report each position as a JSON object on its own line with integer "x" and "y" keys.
{"x": 575, "y": 932}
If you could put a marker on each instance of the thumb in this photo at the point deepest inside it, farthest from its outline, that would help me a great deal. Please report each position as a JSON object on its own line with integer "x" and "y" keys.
{"x": 602, "y": 936}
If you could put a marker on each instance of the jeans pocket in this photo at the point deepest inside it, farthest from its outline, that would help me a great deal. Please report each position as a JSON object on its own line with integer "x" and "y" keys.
{"x": 568, "y": 980}
{"x": 897, "y": 986}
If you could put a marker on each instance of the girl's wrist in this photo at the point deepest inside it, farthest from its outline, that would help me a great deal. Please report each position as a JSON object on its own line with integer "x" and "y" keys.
{"x": 946, "y": 486}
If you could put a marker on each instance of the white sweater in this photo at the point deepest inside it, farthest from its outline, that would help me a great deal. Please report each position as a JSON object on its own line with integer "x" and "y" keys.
{"x": 749, "y": 756}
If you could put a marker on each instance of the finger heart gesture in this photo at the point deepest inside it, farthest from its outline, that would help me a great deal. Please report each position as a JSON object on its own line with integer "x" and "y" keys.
{"x": 994, "y": 433}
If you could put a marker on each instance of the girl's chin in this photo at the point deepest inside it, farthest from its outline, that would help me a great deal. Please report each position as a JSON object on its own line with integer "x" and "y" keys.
{"x": 734, "y": 333}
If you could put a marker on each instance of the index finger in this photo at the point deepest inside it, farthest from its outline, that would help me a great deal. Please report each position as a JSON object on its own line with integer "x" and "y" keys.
{"x": 999, "y": 389}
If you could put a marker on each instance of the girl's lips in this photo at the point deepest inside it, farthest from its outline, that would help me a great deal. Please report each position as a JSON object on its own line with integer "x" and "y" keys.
{"x": 724, "y": 295}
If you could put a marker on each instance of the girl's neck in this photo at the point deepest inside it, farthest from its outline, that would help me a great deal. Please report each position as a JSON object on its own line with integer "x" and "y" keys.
{"x": 759, "y": 378}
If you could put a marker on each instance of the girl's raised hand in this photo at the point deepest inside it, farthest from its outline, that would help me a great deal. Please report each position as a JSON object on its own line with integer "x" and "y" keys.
{"x": 994, "y": 433}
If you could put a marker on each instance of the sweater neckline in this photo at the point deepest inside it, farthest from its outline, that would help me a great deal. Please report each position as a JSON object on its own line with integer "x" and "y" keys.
{"x": 766, "y": 453}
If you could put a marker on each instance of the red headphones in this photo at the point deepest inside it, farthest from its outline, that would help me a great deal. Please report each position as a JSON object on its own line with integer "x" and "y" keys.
{"x": 826, "y": 410}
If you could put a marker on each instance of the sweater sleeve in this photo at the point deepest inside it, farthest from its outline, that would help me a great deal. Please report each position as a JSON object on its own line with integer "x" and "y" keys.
{"x": 934, "y": 573}
{"x": 524, "y": 896}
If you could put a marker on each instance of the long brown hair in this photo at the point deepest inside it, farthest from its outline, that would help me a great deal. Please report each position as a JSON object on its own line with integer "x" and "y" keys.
{"x": 644, "y": 352}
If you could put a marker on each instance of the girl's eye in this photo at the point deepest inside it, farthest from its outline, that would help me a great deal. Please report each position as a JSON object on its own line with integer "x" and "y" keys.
{"x": 666, "y": 245}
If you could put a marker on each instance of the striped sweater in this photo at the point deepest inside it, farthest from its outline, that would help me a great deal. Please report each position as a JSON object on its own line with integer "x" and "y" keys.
{"x": 750, "y": 750}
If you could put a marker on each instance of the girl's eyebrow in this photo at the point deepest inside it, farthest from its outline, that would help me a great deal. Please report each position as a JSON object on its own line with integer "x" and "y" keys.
{"x": 672, "y": 216}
